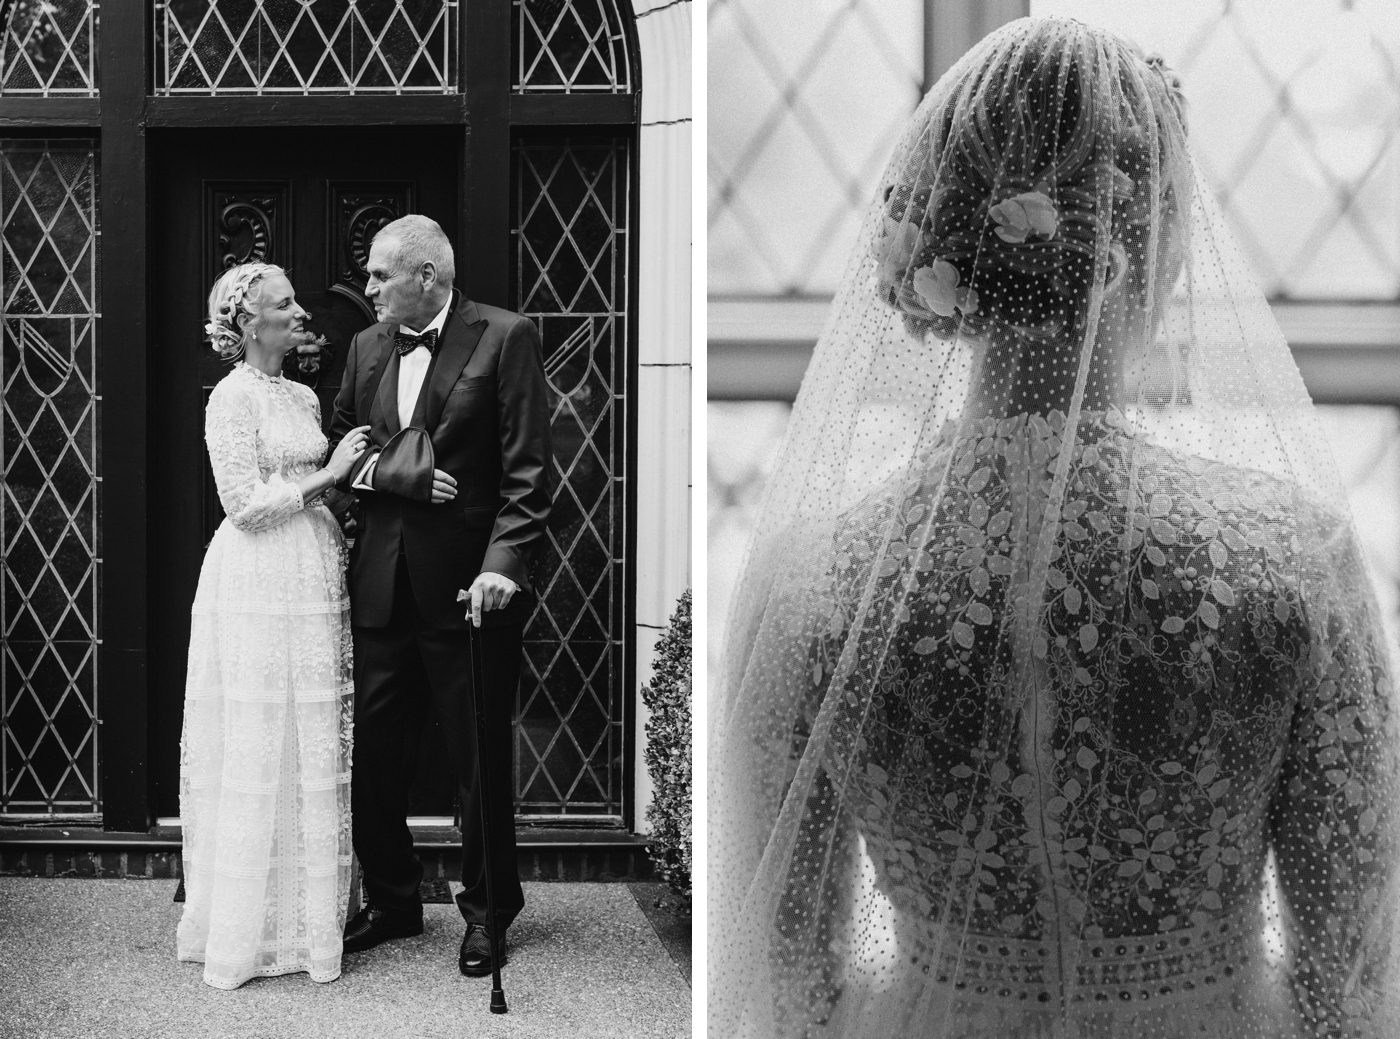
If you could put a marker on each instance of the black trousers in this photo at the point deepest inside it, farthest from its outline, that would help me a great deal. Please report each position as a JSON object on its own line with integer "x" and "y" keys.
{"x": 402, "y": 671}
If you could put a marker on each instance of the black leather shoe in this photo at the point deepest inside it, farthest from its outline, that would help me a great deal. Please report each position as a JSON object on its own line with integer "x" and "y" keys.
{"x": 475, "y": 958}
{"x": 369, "y": 927}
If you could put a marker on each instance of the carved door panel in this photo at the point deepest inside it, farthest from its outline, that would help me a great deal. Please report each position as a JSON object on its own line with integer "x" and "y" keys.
{"x": 308, "y": 201}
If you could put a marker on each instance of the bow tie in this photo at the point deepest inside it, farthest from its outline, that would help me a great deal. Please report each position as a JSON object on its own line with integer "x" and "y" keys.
{"x": 406, "y": 344}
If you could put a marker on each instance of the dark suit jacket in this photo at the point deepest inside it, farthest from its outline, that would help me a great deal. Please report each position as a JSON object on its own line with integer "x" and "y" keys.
{"x": 485, "y": 407}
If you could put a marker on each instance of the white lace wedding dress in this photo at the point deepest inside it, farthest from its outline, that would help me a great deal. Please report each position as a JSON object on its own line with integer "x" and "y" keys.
{"x": 265, "y": 752}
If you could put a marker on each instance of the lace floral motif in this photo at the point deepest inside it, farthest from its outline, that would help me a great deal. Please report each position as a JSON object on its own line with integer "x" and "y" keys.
{"x": 265, "y": 751}
{"x": 1167, "y": 726}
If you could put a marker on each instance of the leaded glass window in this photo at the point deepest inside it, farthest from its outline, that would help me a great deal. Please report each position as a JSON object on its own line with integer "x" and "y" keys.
{"x": 299, "y": 47}
{"x": 1296, "y": 121}
{"x": 48, "y": 48}
{"x": 570, "y": 46}
{"x": 49, "y": 505}
{"x": 571, "y": 247}
{"x": 806, "y": 99}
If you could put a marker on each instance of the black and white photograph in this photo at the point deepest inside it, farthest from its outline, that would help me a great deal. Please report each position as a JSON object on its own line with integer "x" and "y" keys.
{"x": 1053, "y": 519}
{"x": 374, "y": 662}
{"x": 345, "y": 529}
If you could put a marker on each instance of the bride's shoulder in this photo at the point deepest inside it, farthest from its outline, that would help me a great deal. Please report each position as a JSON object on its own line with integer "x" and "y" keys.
{"x": 234, "y": 388}
{"x": 918, "y": 475}
{"x": 1245, "y": 496}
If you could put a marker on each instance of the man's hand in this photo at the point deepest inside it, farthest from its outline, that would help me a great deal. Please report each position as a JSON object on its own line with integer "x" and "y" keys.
{"x": 444, "y": 489}
{"x": 488, "y": 592}
{"x": 342, "y": 506}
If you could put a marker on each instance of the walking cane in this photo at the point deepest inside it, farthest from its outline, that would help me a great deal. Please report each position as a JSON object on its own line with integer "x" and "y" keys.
{"x": 498, "y": 996}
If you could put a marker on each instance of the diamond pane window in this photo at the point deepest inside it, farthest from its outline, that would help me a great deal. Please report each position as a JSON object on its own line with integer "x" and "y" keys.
{"x": 1296, "y": 121}
{"x": 570, "y": 205}
{"x": 569, "y": 46}
{"x": 301, "y": 47}
{"x": 49, "y": 505}
{"x": 797, "y": 138}
{"x": 48, "y": 48}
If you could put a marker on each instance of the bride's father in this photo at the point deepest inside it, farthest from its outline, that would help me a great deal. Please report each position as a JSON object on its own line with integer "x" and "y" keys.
{"x": 453, "y": 494}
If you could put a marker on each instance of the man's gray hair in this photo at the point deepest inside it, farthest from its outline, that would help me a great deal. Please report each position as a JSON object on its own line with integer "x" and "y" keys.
{"x": 421, "y": 240}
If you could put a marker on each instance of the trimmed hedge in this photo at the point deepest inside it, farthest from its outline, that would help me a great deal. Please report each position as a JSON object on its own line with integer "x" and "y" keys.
{"x": 668, "y": 751}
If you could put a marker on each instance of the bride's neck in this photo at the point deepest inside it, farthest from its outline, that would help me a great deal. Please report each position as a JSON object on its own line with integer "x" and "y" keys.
{"x": 1036, "y": 378}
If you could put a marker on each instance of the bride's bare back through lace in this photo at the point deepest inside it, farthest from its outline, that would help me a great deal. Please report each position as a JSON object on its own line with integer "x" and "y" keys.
{"x": 1057, "y": 705}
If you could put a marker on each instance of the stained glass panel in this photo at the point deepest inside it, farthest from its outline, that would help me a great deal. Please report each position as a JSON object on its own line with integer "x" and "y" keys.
{"x": 295, "y": 47}
{"x": 49, "y": 504}
{"x": 48, "y": 48}
{"x": 570, "y": 46}
{"x": 571, "y": 249}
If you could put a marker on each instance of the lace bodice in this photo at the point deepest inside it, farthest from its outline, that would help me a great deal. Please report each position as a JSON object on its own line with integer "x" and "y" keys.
{"x": 1120, "y": 759}
{"x": 263, "y": 432}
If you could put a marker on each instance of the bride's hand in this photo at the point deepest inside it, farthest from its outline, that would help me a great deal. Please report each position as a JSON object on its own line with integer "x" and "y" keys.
{"x": 349, "y": 451}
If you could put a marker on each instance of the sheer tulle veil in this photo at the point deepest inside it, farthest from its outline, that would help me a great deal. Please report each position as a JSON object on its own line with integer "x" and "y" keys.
{"x": 1054, "y": 702}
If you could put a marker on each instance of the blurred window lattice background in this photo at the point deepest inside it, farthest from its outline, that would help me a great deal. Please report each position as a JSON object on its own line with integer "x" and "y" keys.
{"x": 1295, "y": 114}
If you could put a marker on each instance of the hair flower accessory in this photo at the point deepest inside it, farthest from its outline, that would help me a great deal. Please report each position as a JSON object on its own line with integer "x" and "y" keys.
{"x": 938, "y": 287}
{"x": 1021, "y": 216}
{"x": 899, "y": 244}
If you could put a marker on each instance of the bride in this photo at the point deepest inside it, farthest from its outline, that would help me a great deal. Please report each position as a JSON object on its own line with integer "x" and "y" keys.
{"x": 1056, "y": 704}
{"x": 265, "y": 751}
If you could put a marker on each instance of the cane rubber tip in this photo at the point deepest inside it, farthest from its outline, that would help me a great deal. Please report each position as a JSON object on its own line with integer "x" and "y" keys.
{"x": 498, "y": 1002}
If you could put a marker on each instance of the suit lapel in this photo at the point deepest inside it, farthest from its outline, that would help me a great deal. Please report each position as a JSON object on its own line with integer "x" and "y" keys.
{"x": 384, "y": 385}
{"x": 460, "y": 336}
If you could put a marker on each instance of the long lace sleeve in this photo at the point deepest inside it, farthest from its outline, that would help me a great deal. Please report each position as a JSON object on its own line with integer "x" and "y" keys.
{"x": 1335, "y": 816}
{"x": 253, "y": 502}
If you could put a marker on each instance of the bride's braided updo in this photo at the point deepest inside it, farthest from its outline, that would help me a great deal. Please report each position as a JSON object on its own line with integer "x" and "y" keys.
{"x": 1061, "y": 153}
{"x": 236, "y": 292}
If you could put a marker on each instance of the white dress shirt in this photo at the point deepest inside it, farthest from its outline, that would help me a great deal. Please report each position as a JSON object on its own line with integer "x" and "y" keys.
{"x": 413, "y": 369}
{"x": 413, "y": 366}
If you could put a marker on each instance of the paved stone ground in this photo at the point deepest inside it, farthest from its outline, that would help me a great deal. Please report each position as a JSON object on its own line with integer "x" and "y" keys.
{"x": 87, "y": 959}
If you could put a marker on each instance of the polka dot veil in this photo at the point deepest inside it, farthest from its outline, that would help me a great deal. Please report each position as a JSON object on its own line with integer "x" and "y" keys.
{"x": 1054, "y": 703}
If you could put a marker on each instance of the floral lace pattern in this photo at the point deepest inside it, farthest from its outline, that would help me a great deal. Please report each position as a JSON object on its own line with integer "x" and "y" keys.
{"x": 1094, "y": 780}
{"x": 265, "y": 750}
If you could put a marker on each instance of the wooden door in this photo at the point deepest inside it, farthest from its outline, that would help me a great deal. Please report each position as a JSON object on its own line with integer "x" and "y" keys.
{"x": 308, "y": 200}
